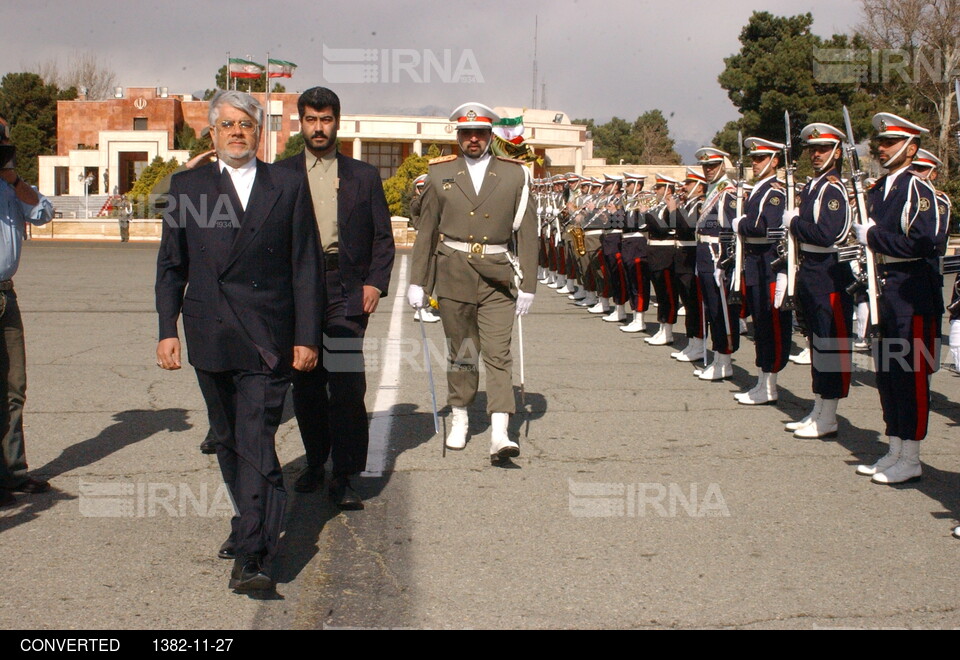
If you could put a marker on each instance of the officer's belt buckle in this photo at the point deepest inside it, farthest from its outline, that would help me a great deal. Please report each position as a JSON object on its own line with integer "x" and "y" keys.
{"x": 476, "y": 248}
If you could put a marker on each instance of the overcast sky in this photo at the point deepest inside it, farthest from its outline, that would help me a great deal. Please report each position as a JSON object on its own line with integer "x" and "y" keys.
{"x": 598, "y": 59}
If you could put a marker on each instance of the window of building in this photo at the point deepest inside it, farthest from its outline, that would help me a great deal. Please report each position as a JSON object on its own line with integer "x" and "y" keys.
{"x": 385, "y": 156}
{"x": 275, "y": 123}
{"x": 139, "y": 123}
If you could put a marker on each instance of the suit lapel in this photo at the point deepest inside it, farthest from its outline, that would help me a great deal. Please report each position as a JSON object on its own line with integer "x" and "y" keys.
{"x": 348, "y": 187}
{"x": 263, "y": 196}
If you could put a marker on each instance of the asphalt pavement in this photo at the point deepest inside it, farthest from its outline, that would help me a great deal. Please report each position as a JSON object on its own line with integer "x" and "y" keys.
{"x": 642, "y": 498}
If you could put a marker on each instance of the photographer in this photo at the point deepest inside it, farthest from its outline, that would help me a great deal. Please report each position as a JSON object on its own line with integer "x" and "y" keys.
{"x": 19, "y": 204}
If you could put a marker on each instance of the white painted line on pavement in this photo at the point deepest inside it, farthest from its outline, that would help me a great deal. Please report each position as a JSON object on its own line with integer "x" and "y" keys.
{"x": 387, "y": 391}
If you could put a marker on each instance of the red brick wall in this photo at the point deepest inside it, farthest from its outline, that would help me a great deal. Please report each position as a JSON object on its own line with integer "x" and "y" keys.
{"x": 79, "y": 122}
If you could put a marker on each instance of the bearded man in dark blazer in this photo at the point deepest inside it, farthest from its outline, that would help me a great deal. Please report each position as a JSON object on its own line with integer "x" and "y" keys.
{"x": 351, "y": 213}
{"x": 239, "y": 259}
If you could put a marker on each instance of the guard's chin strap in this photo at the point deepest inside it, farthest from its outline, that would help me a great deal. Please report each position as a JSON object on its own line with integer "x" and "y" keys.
{"x": 896, "y": 156}
{"x": 829, "y": 164}
{"x": 763, "y": 172}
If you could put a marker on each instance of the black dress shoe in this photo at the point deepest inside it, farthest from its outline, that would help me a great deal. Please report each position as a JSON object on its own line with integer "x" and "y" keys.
{"x": 309, "y": 481}
{"x": 344, "y": 496}
{"x": 228, "y": 550}
{"x": 209, "y": 444}
{"x": 6, "y": 498}
{"x": 247, "y": 575}
{"x": 32, "y": 486}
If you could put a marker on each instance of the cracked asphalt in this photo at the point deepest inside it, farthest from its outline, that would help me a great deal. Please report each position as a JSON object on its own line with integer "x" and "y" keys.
{"x": 643, "y": 498}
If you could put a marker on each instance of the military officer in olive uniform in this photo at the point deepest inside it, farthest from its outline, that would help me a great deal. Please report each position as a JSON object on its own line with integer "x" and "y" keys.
{"x": 478, "y": 211}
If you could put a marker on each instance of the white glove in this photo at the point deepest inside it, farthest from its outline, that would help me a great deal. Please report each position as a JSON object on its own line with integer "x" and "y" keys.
{"x": 718, "y": 277}
{"x": 415, "y": 296}
{"x": 862, "y": 230}
{"x": 524, "y": 300}
{"x": 789, "y": 217}
{"x": 955, "y": 343}
{"x": 735, "y": 223}
{"x": 781, "y": 290}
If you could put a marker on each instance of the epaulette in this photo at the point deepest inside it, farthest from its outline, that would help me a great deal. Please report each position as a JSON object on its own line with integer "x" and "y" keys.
{"x": 833, "y": 179}
{"x": 511, "y": 160}
{"x": 778, "y": 185}
{"x": 443, "y": 159}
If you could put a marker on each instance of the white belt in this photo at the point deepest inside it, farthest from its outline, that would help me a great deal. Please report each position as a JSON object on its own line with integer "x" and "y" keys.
{"x": 633, "y": 234}
{"x": 660, "y": 243}
{"x": 806, "y": 247}
{"x": 886, "y": 259}
{"x": 759, "y": 241}
{"x": 475, "y": 248}
{"x": 686, "y": 244}
{"x": 613, "y": 231}
{"x": 593, "y": 232}
{"x": 708, "y": 239}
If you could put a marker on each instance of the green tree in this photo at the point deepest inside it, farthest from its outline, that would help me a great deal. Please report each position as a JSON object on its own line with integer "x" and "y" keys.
{"x": 776, "y": 70}
{"x": 652, "y": 137}
{"x": 30, "y": 143}
{"x": 647, "y": 140}
{"x": 243, "y": 84}
{"x": 27, "y": 102}
{"x": 139, "y": 195}
{"x": 293, "y": 147}
{"x": 399, "y": 188}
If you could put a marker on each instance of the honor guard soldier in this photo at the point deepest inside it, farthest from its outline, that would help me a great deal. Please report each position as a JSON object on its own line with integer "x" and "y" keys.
{"x": 633, "y": 253}
{"x": 766, "y": 287}
{"x": 569, "y": 189}
{"x": 661, "y": 244}
{"x": 718, "y": 210}
{"x": 576, "y": 242}
{"x": 903, "y": 231}
{"x": 926, "y": 165}
{"x": 478, "y": 212}
{"x": 592, "y": 225}
{"x": 819, "y": 224}
{"x": 611, "y": 246}
{"x": 685, "y": 211}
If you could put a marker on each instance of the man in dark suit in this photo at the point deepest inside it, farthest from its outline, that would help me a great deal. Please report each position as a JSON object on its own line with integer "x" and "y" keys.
{"x": 357, "y": 240}
{"x": 240, "y": 259}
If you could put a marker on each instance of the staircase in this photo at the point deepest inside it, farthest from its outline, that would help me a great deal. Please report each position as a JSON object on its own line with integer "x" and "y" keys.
{"x": 71, "y": 207}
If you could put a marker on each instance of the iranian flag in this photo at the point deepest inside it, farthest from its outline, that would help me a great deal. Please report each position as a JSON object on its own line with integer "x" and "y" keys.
{"x": 244, "y": 68}
{"x": 280, "y": 69}
{"x": 509, "y": 129}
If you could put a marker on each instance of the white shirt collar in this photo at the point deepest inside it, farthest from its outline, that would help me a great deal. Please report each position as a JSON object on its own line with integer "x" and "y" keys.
{"x": 477, "y": 168}
{"x": 891, "y": 179}
{"x": 242, "y": 178}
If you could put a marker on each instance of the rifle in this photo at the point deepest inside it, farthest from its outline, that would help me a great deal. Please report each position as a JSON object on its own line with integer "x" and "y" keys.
{"x": 857, "y": 176}
{"x": 790, "y": 169}
{"x": 736, "y": 297}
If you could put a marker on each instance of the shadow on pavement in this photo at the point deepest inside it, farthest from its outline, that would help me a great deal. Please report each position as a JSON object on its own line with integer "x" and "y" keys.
{"x": 131, "y": 427}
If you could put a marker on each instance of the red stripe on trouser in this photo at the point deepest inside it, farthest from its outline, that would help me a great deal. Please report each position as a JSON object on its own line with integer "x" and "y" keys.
{"x": 623, "y": 280}
{"x": 921, "y": 373}
{"x": 606, "y": 276}
{"x": 640, "y": 301}
{"x": 672, "y": 312}
{"x": 846, "y": 361}
{"x": 778, "y": 363}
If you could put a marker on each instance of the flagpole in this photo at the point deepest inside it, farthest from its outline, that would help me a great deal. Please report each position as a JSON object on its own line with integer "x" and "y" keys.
{"x": 226, "y": 82}
{"x": 266, "y": 133}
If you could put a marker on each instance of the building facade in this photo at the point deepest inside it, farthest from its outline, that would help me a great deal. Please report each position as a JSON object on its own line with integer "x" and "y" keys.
{"x": 103, "y": 145}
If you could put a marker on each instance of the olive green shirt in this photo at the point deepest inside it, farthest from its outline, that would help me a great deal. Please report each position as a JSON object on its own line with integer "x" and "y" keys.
{"x": 322, "y": 175}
